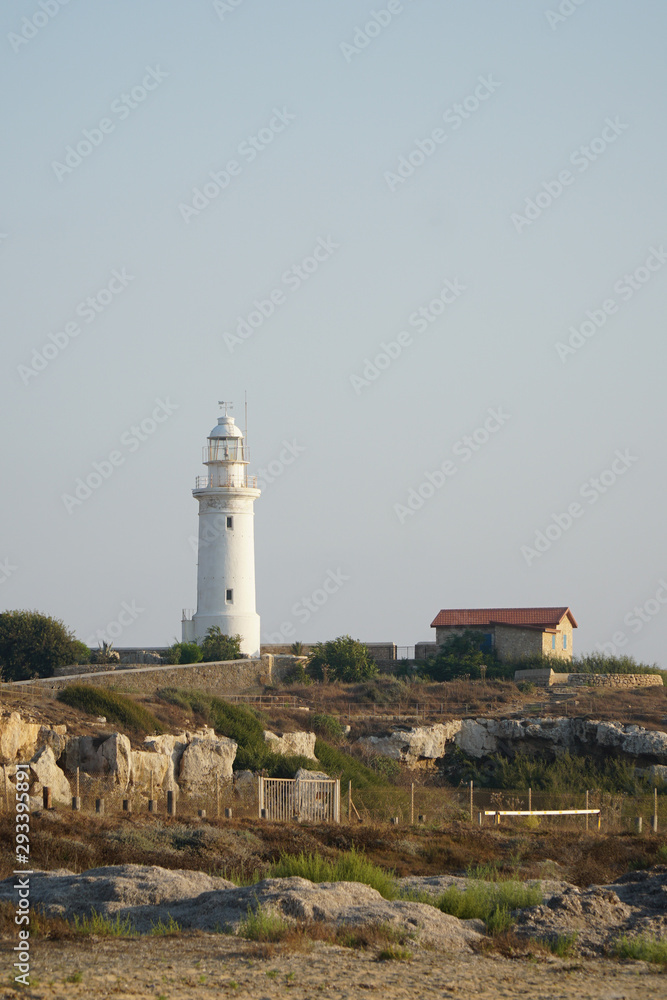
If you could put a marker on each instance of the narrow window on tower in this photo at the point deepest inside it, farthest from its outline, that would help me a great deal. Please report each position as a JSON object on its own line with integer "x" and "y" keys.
{"x": 230, "y": 523}
{"x": 230, "y": 597}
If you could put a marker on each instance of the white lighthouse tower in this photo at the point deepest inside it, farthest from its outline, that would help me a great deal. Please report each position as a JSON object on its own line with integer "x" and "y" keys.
{"x": 226, "y": 550}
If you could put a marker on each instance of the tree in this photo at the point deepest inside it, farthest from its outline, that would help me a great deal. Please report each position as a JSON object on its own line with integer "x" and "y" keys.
{"x": 218, "y": 646}
{"x": 460, "y": 654}
{"x": 33, "y": 645}
{"x": 342, "y": 659}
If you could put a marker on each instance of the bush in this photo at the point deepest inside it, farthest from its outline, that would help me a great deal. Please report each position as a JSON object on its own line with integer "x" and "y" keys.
{"x": 184, "y": 652}
{"x": 297, "y": 675}
{"x": 116, "y": 707}
{"x": 343, "y": 659}
{"x": 33, "y": 645}
{"x": 218, "y": 646}
{"x": 326, "y": 725}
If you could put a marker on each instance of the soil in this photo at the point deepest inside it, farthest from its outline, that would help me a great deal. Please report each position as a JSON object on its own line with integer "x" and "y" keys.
{"x": 207, "y": 967}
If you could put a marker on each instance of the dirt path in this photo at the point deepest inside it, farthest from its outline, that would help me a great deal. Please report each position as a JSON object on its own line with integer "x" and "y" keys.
{"x": 207, "y": 966}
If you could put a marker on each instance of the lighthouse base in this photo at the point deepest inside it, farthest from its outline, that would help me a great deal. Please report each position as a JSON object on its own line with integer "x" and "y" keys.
{"x": 247, "y": 626}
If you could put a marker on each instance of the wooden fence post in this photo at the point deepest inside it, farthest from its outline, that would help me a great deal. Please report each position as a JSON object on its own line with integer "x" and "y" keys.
{"x": 587, "y": 813}
{"x": 349, "y": 801}
{"x": 412, "y": 804}
{"x": 46, "y": 797}
{"x": 471, "y": 801}
{"x": 655, "y": 809}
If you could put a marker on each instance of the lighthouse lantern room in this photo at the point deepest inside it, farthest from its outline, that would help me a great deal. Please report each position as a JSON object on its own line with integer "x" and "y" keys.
{"x": 226, "y": 544}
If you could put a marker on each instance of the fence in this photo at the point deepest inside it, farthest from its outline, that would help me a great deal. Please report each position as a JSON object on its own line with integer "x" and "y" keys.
{"x": 313, "y": 800}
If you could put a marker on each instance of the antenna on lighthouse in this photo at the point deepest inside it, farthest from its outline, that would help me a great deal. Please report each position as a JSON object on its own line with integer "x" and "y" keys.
{"x": 245, "y": 431}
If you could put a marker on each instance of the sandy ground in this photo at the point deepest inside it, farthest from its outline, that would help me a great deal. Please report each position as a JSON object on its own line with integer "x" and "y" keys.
{"x": 207, "y": 966}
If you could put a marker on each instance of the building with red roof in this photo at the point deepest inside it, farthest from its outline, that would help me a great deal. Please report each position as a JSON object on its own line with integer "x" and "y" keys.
{"x": 512, "y": 632}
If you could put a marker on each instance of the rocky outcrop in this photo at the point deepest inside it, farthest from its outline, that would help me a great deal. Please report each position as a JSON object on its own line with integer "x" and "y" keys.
{"x": 203, "y": 760}
{"x": 634, "y": 904}
{"x": 300, "y": 744}
{"x": 481, "y": 737}
{"x": 45, "y": 773}
{"x": 18, "y": 739}
{"x": 100, "y": 755}
{"x": 146, "y": 895}
{"x": 416, "y": 746}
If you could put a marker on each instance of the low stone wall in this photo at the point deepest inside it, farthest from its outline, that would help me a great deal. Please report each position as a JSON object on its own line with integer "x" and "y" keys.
{"x": 548, "y": 678}
{"x": 224, "y": 676}
{"x": 613, "y": 680}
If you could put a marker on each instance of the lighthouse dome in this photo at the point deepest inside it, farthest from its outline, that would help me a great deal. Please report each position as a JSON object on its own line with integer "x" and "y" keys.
{"x": 226, "y": 428}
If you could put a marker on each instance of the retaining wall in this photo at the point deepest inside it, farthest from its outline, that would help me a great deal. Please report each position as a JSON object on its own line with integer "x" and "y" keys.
{"x": 213, "y": 678}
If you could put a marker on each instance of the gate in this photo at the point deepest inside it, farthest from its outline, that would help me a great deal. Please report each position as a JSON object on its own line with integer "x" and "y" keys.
{"x": 310, "y": 800}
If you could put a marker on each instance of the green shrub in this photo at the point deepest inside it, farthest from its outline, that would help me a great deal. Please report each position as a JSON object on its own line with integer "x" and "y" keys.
{"x": 343, "y": 659}
{"x": 116, "y": 707}
{"x": 599, "y": 663}
{"x": 351, "y": 866}
{"x": 218, "y": 646}
{"x": 327, "y": 726}
{"x": 184, "y": 652}
{"x": 342, "y": 765}
{"x": 562, "y": 945}
{"x": 393, "y": 953}
{"x": 297, "y": 675}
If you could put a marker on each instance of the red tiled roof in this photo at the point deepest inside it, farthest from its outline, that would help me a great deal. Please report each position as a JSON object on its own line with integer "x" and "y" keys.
{"x": 472, "y": 617}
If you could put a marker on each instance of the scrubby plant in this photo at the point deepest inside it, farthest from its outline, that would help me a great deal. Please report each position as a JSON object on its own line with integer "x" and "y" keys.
{"x": 343, "y": 659}
{"x": 567, "y": 773}
{"x": 261, "y": 925}
{"x": 491, "y": 902}
{"x": 327, "y": 726}
{"x": 116, "y": 707}
{"x": 350, "y": 866}
{"x": 184, "y": 652}
{"x": 218, "y": 646}
{"x": 642, "y": 948}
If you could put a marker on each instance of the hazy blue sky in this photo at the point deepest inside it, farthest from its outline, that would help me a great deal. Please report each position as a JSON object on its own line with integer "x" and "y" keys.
{"x": 504, "y": 157}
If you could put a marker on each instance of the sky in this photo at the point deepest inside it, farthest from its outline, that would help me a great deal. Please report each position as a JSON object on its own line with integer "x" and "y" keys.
{"x": 425, "y": 238}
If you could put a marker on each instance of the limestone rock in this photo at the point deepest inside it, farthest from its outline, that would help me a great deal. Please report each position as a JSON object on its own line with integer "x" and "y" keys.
{"x": 146, "y": 764}
{"x": 45, "y": 773}
{"x": 475, "y": 739}
{"x": 300, "y": 744}
{"x": 18, "y": 738}
{"x": 202, "y": 760}
{"x": 146, "y": 895}
{"x": 102, "y": 755}
{"x": 411, "y": 746}
{"x": 245, "y": 783}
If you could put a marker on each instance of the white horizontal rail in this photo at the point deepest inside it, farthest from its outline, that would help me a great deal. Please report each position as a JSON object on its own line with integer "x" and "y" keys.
{"x": 541, "y": 812}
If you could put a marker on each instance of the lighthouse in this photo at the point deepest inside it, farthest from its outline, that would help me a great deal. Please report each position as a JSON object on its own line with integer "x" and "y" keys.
{"x": 226, "y": 544}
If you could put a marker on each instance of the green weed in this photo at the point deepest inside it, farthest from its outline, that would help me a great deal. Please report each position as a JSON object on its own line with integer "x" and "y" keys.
{"x": 168, "y": 929}
{"x": 351, "y": 866}
{"x": 393, "y": 953}
{"x": 642, "y": 948}
{"x": 103, "y": 926}
{"x": 261, "y": 925}
{"x": 491, "y": 902}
